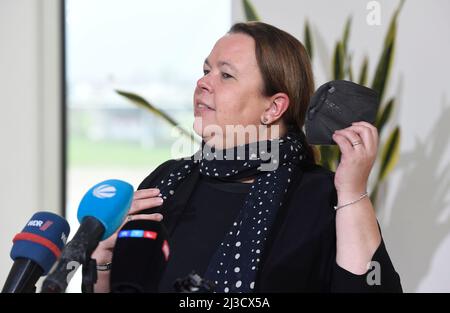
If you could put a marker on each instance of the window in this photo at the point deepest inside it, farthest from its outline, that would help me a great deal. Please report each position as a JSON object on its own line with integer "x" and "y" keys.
{"x": 153, "y": 48}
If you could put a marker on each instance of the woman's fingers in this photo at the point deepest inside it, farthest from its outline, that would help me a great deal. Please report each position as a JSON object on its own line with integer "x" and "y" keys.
{"x": 364, "y": 133}
{"x": 143, "y": 204}
{"x": 145, "y": 199}
{"x": 343, "y": 143}
{"x": 352, "y": 136}
{"x": 150, "y": 217}
{"x": 372, "y": 128}
{"x": 146, "y": 193}
{"x": 358, "y": 144}
{"x": 369, "y": 140}
{"x": 350, "y": 143}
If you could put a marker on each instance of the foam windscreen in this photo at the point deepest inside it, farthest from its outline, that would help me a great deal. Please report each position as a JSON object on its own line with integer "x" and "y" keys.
{"x": 140, "y": 256}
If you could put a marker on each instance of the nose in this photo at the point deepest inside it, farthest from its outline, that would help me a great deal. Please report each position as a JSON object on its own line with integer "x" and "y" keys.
{"x": 204, "y": 84}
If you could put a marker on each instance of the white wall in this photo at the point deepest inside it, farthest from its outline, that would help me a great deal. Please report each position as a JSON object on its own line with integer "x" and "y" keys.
{"x": 415, "y": 213}
{"x": 30, "y": 133}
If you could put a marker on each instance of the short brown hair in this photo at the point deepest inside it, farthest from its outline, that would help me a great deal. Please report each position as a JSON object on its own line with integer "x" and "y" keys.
{"x": 285, "y": 67}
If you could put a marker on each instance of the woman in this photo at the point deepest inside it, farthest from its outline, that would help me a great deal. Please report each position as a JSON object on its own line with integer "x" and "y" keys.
{"x": 247, "y": 227}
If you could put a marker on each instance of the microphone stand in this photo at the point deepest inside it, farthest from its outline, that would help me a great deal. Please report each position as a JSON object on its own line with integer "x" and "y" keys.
{"x": 89, "y": 275}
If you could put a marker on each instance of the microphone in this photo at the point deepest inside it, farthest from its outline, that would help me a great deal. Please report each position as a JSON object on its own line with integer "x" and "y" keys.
{"x": 101, "y": 212}
{"x": 193, "y": 283}
{"x": 35, "y": 250}
{"x": 140, "y": 256}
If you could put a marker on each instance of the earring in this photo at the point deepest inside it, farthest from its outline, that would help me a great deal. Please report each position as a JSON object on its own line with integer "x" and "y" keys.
{"x": 265, "y": 120}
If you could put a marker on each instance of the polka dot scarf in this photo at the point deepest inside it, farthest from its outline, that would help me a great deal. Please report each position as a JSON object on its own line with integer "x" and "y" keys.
{"x": 234, "y": 266}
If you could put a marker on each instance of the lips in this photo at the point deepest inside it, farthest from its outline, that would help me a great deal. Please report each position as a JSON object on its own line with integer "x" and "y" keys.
{"x": 201, "y": 107}
{"x": 204, "y": 106}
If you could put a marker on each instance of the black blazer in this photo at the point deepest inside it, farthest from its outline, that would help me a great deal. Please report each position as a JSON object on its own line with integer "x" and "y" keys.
{"x": 300, "y": 251}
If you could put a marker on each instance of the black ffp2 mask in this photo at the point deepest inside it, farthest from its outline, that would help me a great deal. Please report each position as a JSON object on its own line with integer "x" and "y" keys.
{"x": 336, "y": 105}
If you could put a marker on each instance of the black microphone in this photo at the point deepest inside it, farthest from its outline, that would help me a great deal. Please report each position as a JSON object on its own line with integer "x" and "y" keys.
{"x": 35, "y": 250}
{"x": 140, "y": 256}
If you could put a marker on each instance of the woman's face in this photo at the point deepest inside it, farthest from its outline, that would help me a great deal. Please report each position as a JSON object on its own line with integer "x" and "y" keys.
{"x": 230, "y": 92}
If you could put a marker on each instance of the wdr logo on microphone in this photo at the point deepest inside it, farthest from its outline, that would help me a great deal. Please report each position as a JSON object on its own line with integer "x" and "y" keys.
{"x": 46, "y": 225}
{"x": 104, "y": 191}
{"x": 38, "y": 223}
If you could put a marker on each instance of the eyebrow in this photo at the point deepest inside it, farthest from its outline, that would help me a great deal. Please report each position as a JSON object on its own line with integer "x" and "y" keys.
{"x": 222, "y": 63}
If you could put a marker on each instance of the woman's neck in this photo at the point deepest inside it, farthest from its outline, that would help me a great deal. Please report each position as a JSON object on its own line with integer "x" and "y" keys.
{"x": 241, "y": 136}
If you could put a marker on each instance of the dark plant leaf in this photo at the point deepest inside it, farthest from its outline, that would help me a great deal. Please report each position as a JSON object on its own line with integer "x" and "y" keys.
{"x": 390, "y": 154}
{"x": 390, "y": 36}
{"x": 141, "y": 102}
{"x": 349, "y": 70}
{"x": 384, "y": 114}
{"x": 363, "y": 74}
{"x": 383, "y": 70}
{"x": 338, "y": 62}
{"x": 250, "y": 12}
{"x": 374, "y": 195}
{"x": 346, "y": 35}
{"x": 325, "y": 157}
{"x": 308, "y": 40}
{"x": 384, "y": 64}
{"x": 329, "y": 157}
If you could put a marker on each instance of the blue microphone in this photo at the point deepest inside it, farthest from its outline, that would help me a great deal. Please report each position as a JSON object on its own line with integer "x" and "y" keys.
{"x": 101, "y": 212}
{"x": 35, "y": 250}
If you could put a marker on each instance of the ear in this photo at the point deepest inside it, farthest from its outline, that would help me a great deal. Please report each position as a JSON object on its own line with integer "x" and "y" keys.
{"x": 278, "y": 104}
